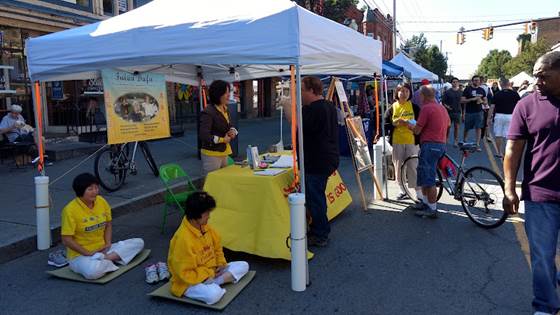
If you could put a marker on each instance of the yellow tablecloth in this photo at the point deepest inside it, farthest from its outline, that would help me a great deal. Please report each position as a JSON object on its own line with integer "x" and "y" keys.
{"x": 252, "y": 213}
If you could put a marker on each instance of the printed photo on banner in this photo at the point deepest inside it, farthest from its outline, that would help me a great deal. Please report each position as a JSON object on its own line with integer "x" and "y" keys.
{"x": 136, "y": 106}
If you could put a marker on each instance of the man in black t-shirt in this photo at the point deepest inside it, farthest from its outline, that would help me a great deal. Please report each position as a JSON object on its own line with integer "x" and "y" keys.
{"x": 505, "y": 101}
{"x": 321, "y": 153}
{"x": 452, "y": 102}
{"x": 474, "y": 97}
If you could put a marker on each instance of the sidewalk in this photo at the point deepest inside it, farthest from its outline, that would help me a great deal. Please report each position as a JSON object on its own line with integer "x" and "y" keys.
{"x": 17, "y": 212}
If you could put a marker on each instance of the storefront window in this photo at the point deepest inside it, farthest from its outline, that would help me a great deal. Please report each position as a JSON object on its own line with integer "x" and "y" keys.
{"x": 83, "y": 3}
{"x": 108, "y": 7}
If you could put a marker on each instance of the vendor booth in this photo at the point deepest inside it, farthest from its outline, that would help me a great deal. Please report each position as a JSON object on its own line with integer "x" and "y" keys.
{"x": 188, "y": 42}
{"x": 417, "y": 72}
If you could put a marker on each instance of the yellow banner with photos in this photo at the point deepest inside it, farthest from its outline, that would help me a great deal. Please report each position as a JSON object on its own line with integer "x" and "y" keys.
{"x": 136, "y": 106}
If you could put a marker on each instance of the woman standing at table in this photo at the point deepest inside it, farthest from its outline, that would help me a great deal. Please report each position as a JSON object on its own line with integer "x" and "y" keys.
{"x": 216, "y": 131}
{"x": 402, "y": 139}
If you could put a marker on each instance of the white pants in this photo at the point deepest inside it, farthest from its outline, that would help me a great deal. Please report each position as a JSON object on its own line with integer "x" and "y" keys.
{"x": 501, "y": 125}
{"x": 211, "y": 293}
{"x": 94, "y": 267}
{"x": 401, "y": 152}
{"x": 212, "y": 163}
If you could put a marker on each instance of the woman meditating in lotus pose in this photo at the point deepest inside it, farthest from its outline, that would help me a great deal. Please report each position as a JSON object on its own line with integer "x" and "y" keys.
{"x": 196, "y": 258}
{"x": 87, "y": 232}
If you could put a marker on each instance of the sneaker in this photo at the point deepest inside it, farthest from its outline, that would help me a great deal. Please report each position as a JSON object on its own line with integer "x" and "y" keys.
{"x": 315, "y": 241}
{"x": 151, "y": 274}
{"x": 417, "y": 206}
{"x": 426, "y": 212}
{"x": 58, "y": 258}
{"x": 163, "y": 271}
{"x": 402, "y": 196}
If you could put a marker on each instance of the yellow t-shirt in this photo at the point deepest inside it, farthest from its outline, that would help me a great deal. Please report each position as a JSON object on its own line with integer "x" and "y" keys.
{"x": 193, "y": 256}
{"x": 86, "y": 225}
{"x": 228, "y": 150}
{"x": 401, "y": 134}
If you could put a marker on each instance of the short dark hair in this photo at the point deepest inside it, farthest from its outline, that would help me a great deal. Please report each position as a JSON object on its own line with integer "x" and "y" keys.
{"x": 475, "y": 76}
{"x": 453, "y": 79}
{"x": 399, "y": 88}
{"x": 198, "y": 203}
{"x": 552, "y": 59}
{"x": 314, "y": 84}
{"x": 216, "y": 90}
{"x": 82, "y": 182}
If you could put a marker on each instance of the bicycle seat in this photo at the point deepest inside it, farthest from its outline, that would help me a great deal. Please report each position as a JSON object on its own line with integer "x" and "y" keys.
{"x": 467, "y": 147}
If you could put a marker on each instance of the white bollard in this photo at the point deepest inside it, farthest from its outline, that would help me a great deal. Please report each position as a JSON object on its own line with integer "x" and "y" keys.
{"x": 42, "y": 207}
{"x": 378, "y": 163}
{"x": 298, "y": 241}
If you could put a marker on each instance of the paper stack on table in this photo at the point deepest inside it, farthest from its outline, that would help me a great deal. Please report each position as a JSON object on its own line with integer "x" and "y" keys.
{"x": 285, "y": 161}
{"x": 269, "y": 172}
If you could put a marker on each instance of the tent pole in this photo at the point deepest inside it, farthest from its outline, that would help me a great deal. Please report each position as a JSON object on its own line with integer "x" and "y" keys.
{"x": 300, "y": 151}
{"x": 36, "y": 94}
{"x": 199, "y": 108}
{"x": 384, "y": 106}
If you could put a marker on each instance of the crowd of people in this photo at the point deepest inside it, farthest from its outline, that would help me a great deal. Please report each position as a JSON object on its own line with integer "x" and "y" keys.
{"x": 415, "y": 126}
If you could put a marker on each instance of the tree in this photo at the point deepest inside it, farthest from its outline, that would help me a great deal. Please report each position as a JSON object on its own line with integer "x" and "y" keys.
{"x": 492, "y": 66}
{"x": 332, "y": 9}
{"x": 336, "y": 9}
{"x": 525, "y": 60}
{"x": 429, "y": 57}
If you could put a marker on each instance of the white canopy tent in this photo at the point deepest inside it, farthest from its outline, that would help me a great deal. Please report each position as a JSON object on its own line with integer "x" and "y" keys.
{"x": 213, "y": 39}
{"x": 518, "y": 79}
{"x": 255, "y": 38}
{"x": 417, "y": 72}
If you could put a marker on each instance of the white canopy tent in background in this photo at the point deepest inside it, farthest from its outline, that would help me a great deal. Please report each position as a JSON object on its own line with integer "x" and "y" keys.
{"x": 518, "y": 79}
{"x": 214, "y": 39}
{"x": 417, "y": 72}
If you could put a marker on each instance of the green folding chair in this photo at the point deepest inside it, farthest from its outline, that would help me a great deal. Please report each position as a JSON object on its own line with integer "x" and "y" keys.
{"x": 169, "y": 173}
{"x": 230, "y": 161}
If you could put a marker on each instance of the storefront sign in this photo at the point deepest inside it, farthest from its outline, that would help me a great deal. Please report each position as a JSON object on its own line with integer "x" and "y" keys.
{"x": 57, "y": 90}
{"x": 136, "y": 106}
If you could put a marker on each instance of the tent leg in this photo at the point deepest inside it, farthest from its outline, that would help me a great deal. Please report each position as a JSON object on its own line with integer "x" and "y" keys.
{"x": 300, "y": 151}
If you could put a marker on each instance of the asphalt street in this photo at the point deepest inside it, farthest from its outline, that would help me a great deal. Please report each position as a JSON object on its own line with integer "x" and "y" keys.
{"x": 381, "y": 261}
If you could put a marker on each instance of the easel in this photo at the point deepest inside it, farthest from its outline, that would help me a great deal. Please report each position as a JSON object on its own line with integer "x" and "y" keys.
{"x": 353, "y": 132}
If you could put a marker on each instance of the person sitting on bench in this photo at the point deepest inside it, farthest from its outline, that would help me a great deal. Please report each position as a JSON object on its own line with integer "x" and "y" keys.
{"x": 196, "y": 258}
{"x": 87, "y": 232}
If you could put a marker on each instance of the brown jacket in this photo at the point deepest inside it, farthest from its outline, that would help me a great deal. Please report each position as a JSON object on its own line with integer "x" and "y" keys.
{"x": 212, "y": 123}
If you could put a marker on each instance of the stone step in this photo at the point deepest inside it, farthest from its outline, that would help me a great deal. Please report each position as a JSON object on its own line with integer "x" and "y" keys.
{"x": 68, "y": 150}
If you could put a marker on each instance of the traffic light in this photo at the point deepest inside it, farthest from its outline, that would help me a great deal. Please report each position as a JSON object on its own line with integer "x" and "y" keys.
{"x": 488, "y": 33}
{"x": 460, "y": 38}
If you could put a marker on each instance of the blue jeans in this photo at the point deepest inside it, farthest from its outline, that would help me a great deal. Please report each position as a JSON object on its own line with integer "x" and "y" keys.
{"x": 430, "y": 153}
{"x": 316, "y": 204}
{"x": 542, "y": 222}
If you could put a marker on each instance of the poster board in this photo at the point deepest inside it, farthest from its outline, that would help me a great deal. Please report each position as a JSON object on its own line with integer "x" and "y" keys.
{"x": 136, "y": 106}
{"x": 358, "y": 142}
{"x": 356, "y": 138}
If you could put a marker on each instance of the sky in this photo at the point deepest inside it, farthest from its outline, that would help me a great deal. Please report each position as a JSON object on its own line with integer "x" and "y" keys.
{"x": 441, "y": 19}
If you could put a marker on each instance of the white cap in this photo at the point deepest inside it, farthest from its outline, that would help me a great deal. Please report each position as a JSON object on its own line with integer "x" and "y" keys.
{"x": 16, "y": 108}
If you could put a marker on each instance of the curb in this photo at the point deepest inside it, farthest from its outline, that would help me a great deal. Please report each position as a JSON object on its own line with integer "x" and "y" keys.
{"x": 29, "y": 245}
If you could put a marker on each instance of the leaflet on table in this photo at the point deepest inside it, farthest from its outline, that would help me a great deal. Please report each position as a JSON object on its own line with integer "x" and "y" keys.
{"x": 269, "y": 172}
{"x": 285, "y": 161}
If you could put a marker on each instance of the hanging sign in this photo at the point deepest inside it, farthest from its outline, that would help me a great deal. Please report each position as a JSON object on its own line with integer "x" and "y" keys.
{"x": 136, "y": 106}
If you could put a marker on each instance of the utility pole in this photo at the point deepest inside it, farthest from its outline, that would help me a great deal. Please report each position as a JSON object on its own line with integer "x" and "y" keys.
{"x": 394, "y": 27}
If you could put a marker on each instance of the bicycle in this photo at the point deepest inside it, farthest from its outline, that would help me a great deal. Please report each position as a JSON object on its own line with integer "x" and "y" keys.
{"x": 114, "y": 162}
{"x": 479, "y": 189}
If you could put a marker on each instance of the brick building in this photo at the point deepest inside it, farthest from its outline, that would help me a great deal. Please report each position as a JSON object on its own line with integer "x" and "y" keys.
{"x": 21, "y": 19}
{"x": 380, "y": 27}
{"x": 549, "y": 30}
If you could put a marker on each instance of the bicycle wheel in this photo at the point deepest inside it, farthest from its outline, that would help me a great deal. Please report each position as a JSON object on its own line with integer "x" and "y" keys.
{"x": 110, "y": 168}
{"x": 404, "y": 179}
{"x": 482, "y": 193}
{"x": 149, "y": 158}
